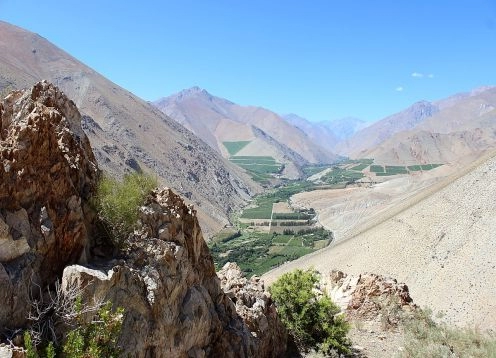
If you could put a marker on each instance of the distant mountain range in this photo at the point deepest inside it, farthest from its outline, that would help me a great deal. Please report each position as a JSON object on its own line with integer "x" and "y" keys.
{"x": 258, "y": 131}
{"x": 327, "y": 133}
{"x": 197, "y": 142}
{"x": 456, "y": 128}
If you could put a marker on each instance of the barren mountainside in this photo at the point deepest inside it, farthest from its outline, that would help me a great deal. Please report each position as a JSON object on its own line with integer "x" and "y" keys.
{"x": 218, "y": 120}
{"x": 127, "y": 133}
{"x": 456, "y": 129}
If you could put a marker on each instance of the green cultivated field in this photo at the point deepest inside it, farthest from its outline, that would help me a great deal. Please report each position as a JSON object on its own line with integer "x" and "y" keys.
{"x": 256, "y": 253}
{"x": 234, "y": 147}
{"x": 377, "y": 169}
{"x": 314, "y": 169}
{"x": 388, "y": 170}
{"x": 263, "y": 211}
{"x": 415, "y": 168}
{"x": 339, "y": 175}
{"x": 260, "y": 167}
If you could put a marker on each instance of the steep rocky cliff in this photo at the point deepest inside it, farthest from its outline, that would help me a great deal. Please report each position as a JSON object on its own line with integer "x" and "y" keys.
{"x": 47, "y": 174}
{"x": 165, "y": 279}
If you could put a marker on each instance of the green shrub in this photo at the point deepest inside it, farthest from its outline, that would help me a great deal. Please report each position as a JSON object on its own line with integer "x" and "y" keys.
{"x": 118, "y": 203}
{"x": 311, "y": 320}
{"x": 50, "y": 350}
{"x": 426, "y": 338}
{"x": 29, "y": 346}
{"x": 97, "y": 338}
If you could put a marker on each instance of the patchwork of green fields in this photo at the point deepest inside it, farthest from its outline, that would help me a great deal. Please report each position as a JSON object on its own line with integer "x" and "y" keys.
{"x": 293, "y": 234}
{"x": 234, "y": 147}
{"x": 386, "y": 170}
{"x": 261, "y": 168}
{"x": 341, "y": 175}
{"x": 263, "y": 209}
{"x": 314, "y": 169}
{"x": 257, "y": 253}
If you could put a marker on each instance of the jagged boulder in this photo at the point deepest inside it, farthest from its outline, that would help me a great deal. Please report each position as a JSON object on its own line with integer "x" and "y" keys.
{"x": 255, "y": 307}
{"x": 370, "y": 297}
{"x": 47, "y": 174}
{"x": 174, "y": 303}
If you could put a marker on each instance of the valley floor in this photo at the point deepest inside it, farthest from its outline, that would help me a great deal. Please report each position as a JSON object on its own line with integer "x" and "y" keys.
{"x": 443, "y": 248}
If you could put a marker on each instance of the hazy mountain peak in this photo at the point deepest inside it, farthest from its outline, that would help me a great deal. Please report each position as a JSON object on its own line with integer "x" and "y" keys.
{"x": 192, "y": 91}
{"x": 421, "y": 110}
{"x": 481, "y": 89}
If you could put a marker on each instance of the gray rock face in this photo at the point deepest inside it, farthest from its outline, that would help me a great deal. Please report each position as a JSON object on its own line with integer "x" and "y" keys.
{"x": 47, "y": 172}
{"x": 174, "y": 303}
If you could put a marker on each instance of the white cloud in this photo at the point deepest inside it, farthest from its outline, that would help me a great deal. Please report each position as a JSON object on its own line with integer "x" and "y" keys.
{"x": 399, "y": 89}
{"x": 422, "y": 75}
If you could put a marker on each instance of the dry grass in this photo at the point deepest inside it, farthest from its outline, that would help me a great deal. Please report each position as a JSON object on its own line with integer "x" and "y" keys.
{"x": 425, "y": 338}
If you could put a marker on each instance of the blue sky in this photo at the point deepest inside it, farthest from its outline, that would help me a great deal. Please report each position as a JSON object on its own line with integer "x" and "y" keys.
{"x": 320, "y": 59}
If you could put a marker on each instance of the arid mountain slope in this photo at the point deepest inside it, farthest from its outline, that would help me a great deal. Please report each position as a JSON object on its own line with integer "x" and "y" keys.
{"x": 219, "y": 120}
{"x": 443, "y": 246}
{"x": 371, "y": 136}
{"x": 464, "y": 127}
{"x": 126, "y": 132}
{"x": 458, "y": 128}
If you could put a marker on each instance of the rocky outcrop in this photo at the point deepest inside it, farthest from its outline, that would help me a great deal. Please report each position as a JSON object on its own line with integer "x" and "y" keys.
{"x": 370, "y": 297}
{"x": 174, "y": 303}
{"x": 47, "y": 173}
{"x": 165, "y": 279}
{"x": 256, "y": 308}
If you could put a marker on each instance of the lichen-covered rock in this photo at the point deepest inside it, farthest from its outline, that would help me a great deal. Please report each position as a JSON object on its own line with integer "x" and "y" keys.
{"x": 47, "y": 173}
{"x": 174, "y": 303}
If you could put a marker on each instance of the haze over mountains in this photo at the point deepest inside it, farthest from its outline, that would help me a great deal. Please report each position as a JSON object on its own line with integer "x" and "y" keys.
{"x": 126, "y": 132}
{"x": 218, "y": 120}
{"x": 327, "y": 133}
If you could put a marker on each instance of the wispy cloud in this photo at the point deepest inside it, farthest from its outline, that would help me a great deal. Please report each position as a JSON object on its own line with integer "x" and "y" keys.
{"x": 422, "y": 75}
{"x": 399, "y": 89}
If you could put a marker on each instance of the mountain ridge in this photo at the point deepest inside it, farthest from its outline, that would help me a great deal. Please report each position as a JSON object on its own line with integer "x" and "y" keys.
{"x": 220, "y": 120}
{"x": 123, "y": 128}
